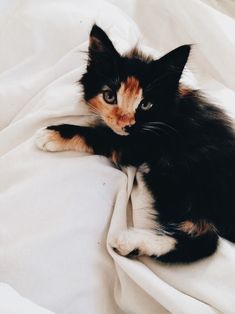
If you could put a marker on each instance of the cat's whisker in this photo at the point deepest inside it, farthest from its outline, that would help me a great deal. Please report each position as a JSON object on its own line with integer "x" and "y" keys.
{"x": 150, "y": 130}
{"x": 163, "y": 124}
{"x": 152, "y": 127}
{"x": 157, "y": 128}
{"x": 94, "y": 111}
{"x": 154, "y": 130}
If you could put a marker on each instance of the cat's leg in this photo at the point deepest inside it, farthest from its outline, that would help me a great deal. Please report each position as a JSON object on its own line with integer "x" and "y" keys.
{"x": 98, "y": 140}
{"x": 135, "y": 242}
{"x": 173, "y": 243}
{"x": 63, "y": 137}
{"x": 191, "y": 247}
{"x": 147, "y": 237}
{"x": 178, "y": 248}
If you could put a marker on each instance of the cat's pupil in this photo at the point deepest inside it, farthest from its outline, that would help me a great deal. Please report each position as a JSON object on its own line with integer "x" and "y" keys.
{"x": 109, "y": 96}
{"x": 146, "y": 105}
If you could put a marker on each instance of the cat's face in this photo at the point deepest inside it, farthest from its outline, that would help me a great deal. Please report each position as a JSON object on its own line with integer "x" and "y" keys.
{"x": 130, "y": 93}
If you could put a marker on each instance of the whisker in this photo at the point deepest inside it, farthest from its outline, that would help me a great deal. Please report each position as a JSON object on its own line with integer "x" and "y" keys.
{"x": 152, "y": 127}
{"x": 163, "y": 125}
{"x": 150, "y": 130}
{"x": 96, "y": 113}
{"x": 157, "y": 128}
{"x": 94, "y": 110}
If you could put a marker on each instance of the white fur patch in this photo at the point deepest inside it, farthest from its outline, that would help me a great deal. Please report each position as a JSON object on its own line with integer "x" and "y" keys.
{"x": 144, "y": 168}
{"x": 50, "y": 140}
{"x": 147, "y": 235}
{"x": 146, "y": 241}
{"x": 144, "y": 213}
{"x": 46, "y": 140}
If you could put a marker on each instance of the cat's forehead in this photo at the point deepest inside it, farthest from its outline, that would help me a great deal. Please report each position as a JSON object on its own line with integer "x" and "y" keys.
{"x": 131, "y": 84}
{"x": 132, "y": 67}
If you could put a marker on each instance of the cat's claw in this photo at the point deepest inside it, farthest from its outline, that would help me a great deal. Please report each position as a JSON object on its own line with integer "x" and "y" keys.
{"x": 48, "y": 140}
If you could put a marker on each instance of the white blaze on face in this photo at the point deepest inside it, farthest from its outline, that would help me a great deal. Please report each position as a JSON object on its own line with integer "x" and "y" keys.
{"x": 129, "y": 96}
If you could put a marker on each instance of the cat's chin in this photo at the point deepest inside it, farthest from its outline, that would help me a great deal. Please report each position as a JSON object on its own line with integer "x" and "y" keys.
{"x": 121, "y": 132}
{"x": 118, "y": 131}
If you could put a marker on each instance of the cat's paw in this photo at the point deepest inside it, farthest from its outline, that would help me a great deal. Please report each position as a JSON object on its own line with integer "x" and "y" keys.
{"x": 48, "y": 140}
{"x": 125, "y": 244}
{"x": 135, "y": 242}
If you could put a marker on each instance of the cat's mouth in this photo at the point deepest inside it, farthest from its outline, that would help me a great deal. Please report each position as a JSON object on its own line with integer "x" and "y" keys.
{"x": 123, "y": 130}
{"x": 120, "y": 131}
{"x": 118, "y": 128}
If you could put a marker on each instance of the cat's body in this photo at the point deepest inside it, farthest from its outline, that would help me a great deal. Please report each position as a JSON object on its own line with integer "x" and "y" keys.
{"x": 183, "y": 148}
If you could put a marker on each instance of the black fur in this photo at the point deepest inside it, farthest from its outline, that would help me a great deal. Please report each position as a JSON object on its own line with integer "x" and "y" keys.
{"x": 190, "y": 153}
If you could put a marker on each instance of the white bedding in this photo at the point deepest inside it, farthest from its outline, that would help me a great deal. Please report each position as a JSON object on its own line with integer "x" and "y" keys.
{"x": 57, "y": 210}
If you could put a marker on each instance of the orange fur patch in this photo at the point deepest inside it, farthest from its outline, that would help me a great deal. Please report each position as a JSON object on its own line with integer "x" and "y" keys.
{"x": 123, "y": 114}
{"x": 129, "y": 95}
{"x": 197, "y": 228}
{"x": 76, "y": 143}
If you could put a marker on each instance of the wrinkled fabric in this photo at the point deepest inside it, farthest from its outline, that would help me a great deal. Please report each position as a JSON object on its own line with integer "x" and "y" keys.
{"x": 58, "y": 210}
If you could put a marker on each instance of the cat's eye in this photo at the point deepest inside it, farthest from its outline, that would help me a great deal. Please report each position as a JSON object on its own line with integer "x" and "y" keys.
{"x": 109, "y": 96}
{"x": 146, "y": 105}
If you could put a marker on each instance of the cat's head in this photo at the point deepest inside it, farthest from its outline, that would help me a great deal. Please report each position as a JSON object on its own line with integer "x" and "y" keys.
{"x": 131, "y": 91}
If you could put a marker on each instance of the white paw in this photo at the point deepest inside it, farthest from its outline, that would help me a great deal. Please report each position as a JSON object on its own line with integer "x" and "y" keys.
{"x": 125, "y": 244}
{"x": 135, "y": 242}
{"x": 48, "y": 140}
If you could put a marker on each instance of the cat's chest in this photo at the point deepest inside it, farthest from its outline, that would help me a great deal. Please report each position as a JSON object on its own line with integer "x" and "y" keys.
{"x": 144, "y": 211}
{"x": 157, "y": 179}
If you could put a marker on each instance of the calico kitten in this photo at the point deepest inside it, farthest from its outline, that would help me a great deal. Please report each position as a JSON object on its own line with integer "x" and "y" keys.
{"x": 182, "y": 146}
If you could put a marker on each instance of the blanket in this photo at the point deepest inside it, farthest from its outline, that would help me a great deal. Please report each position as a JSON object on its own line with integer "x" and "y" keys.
{"x": 59, "y": 210}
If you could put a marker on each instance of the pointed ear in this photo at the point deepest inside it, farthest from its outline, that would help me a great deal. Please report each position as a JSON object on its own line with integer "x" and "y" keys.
{"x": 167, "y": 70}
{"x": 100, "y": 42}
{"x": 174, "y": 61}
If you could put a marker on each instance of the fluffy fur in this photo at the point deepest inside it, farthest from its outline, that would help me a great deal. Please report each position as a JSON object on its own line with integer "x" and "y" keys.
{"x": 183, "y": 148}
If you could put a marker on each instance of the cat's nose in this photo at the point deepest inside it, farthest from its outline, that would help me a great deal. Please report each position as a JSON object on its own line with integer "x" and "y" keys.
{"x": 126, "y": 120}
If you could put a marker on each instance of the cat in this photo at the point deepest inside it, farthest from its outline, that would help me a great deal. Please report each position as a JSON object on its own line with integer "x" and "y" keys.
{"x": 182, "y": 146}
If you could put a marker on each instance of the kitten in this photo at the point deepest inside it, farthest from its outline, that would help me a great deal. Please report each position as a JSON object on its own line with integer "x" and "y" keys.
{"x": 182, "y": 146}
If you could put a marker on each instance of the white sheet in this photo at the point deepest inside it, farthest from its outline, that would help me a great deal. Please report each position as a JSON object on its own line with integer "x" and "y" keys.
{"x": 57, "y": 210}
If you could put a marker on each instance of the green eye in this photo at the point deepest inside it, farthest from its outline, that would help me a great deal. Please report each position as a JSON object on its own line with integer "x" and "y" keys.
{"x": 146, "y": 105}
{"x": 109, "y": 96}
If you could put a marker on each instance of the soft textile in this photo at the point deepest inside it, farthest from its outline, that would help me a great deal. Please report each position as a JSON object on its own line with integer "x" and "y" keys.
{"x": 58, "y": 210}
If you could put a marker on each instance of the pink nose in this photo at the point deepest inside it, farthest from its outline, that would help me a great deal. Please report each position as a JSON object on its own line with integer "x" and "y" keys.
{"x": 126, "y": 120}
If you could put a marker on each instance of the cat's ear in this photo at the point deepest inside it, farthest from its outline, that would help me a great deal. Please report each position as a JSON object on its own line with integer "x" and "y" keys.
{"x": 176, "y": 59}
{"x": 100, "y": 43}
{"x": 166, "y": 73}
{"x": 171, "y": 65}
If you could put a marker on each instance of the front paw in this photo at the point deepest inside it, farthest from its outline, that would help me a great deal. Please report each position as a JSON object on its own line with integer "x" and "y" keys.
{"x": 48, "y": 140}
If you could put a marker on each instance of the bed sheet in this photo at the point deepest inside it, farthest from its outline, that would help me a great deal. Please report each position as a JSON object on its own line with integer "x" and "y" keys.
{"x": 58, "y": 210}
